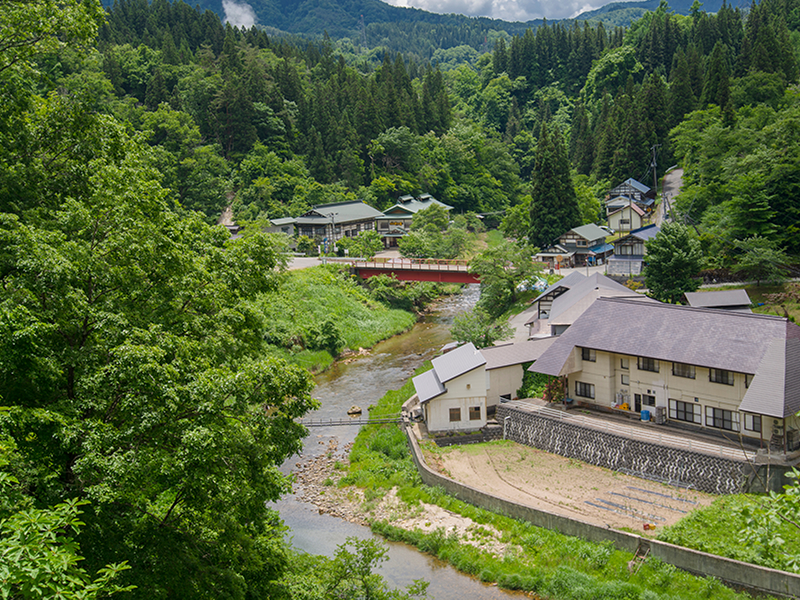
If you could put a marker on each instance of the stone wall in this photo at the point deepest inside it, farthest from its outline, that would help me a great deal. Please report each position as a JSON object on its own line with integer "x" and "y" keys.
{"x": 484, "y": 435}
{"x": 732, "y": 572}
{"x": 695, "y": 470}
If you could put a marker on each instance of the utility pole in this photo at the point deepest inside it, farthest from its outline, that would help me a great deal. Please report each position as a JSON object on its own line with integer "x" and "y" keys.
{"x": 363, "y": 33}
{"x": 654, "y": 165}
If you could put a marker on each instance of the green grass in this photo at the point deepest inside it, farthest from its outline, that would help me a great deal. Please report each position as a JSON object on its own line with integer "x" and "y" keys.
{"x": 310, "y": 297}
{"x": 714, "y": 529}
{"x": 539, "y": 561}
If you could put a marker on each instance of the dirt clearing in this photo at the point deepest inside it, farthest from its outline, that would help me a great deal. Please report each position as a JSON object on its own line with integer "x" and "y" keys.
{"x": 566, "y": 486}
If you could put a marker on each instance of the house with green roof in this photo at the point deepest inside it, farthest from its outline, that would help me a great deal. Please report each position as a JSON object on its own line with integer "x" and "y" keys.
{"x": 395, "y": 222}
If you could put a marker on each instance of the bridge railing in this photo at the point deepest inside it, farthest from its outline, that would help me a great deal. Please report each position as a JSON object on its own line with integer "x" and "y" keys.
{"x": 414, "y": 264}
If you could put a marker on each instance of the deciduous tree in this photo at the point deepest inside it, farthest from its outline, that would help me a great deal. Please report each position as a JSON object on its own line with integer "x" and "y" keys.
{"x": 673, "y": 260}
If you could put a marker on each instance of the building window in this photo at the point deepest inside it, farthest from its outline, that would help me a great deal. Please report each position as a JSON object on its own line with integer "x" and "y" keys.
{"x": 581, "y": 243}
{"x": 474, "y": 413}
{"x": 626, "y": 380}
{"x": 623, "y": 363}
{"x": 455, "y": 415}
{"x": 648, "y": 364}
{"x": 720, "y": 376}
{"x": 747, "y": 380}
{"x": 623, "y": 250}
{"x": 685, "y": 411}
{"x": 625, "y": 221}
{"x": 722, "y": 419}
{"x": 588, "y": 354}
{"x": 683, "y": 370}
{"x": 648, "y": 400}
{"x": 752, "y": 423}
{"x": 584, "y": 390}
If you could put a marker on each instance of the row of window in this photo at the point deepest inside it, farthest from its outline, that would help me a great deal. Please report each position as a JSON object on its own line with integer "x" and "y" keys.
{"x": 678, "y": 369}
{"x": 691, "y": 413}
{"x": 474, "y": 414}
{"x": 715, "y": 417}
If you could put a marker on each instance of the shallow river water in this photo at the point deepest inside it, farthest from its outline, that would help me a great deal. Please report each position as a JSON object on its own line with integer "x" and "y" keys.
{"x": 363, "y": 382}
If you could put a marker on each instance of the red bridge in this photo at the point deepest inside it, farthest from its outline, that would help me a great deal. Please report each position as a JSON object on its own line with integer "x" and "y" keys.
{"x": 415, "y": 269}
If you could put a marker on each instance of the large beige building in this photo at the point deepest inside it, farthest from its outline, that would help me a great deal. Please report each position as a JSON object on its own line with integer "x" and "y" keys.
{"x": 734, "y": 372}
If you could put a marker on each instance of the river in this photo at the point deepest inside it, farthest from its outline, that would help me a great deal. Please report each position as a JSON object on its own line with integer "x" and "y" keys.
{"x": 362, "y": 382}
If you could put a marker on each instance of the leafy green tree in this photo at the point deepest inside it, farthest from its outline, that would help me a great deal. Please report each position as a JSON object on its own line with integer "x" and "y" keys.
{"x": 480, "y": 328}
{"x": 761, "y": 259}
{"x": 434, "y": 215}
{"x": 765, "y": 521}
{"x": 673, "y": 259}
{"x": 367, "y": 244}
{"x": 501, "y": 269}
{"x": 134, "y": 370}
{"x": 40, "y": 556}
{"x": 554, "y": 205}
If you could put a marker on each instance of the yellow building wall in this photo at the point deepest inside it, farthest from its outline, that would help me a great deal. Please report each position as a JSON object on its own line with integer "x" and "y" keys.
{"x": 468, "y": 390}
{"x": 502, "y": 381}
{"x": 606, "y": 375}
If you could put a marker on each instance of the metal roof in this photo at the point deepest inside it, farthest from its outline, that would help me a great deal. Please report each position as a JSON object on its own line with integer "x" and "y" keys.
{"x": 643, "y": 233}
{"x": 589, "y": 232}
{"x": 428, "y": 386}
{"x": 637, "y": 185}
{"x": 413, "y": 205}
{"x": 517, "y": 353}
{"x": 632, "y": 205}
{"x": 445, "y": 368}
{"x": 339, "y": 213}
{"x": 707, "y": 338}
{"x": 601, "y": 248}
{"x": 718, "y": 299}
{"x": 567, "y": 282}
{"x": 457, "y": 362}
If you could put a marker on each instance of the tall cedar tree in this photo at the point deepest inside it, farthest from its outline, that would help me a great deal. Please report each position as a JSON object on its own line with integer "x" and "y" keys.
{"x": 554, "y": 208}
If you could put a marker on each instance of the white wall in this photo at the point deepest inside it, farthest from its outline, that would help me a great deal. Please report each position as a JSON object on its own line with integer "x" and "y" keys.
{"x": 464, "y": 392}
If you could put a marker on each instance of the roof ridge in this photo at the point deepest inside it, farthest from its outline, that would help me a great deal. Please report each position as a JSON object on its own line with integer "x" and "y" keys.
{"x": 713, "y": 311}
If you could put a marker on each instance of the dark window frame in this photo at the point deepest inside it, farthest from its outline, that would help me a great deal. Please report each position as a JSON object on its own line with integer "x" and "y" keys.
{"x": 684, "y": 370}
{"x": 584, "y": 390}
{"x": 589, "y": 354}
{"x": 455, "y": 412}
{"x": 474, "y": 413}
{"x": 647, "y": 364}
{"x": 721, "y": 376}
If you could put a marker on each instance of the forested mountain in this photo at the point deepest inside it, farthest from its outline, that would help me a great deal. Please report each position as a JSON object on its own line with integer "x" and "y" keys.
{"x": 132, "y": 351}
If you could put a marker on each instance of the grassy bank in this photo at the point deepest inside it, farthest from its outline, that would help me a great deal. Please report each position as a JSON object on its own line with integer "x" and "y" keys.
{"x": 320, "y": 311}
{"x": 536, "y": 560}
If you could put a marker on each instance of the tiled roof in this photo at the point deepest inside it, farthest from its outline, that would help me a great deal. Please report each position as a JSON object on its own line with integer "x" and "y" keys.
{"x": 506, "y": 355}
{"x": 775, "y": 390}
{"x": 413, "y": 205}
{"x": 348, "y": 211}
{"x": 709, "y": 338}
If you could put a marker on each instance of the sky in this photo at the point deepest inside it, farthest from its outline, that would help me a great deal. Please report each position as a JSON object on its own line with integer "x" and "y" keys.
{"x": 507, "y": 10}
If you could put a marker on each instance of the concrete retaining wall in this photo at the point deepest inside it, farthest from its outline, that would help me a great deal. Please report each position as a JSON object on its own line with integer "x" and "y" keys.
{"x": 731, "y": 572}
{"x": 703, "y": 472}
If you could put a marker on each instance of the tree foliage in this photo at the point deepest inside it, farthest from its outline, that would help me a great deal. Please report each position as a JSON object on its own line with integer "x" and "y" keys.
{"x": 501, "y": 269}
{"x": 673, "y": 260}
{"x": 480, "y": 328}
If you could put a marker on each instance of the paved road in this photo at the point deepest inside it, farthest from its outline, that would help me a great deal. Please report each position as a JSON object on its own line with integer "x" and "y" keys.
{"x": 673, "y": 181}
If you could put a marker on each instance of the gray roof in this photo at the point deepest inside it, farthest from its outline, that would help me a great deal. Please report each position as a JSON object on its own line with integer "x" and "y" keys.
{"x": 506, "y": 355}
{"x": 414, "y": 206}
{"x": 445, "y": 368}
{"x": 775, "y": 390}
{"x": 590, "y": 231}
{"x": 343, "y": 212}
{"x": 643, "y": 233}
{"x": 457, "y": 362}
{"x": 428, "y": 386}
{"x": 282, "y": 221}
{"x": 566, "y": 283}
{"x": 708, "y": 338}
{"x": 637, "y": 185}
{"x": 718, "y": 299}
{"x": 586, "y": 287}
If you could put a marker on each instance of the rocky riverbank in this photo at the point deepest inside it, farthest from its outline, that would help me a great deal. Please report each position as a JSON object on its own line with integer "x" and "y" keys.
{"x": 317, "y": 482}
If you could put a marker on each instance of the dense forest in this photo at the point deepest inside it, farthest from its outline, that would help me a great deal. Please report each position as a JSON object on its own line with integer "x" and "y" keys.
{"x": 132, "y": 363}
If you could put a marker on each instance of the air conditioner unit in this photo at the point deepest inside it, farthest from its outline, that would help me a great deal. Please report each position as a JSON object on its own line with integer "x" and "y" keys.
{"x": 792, "y": 439}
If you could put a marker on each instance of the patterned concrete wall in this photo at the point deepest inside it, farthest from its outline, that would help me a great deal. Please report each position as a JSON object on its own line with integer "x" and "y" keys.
{"x": 699, "y": 471}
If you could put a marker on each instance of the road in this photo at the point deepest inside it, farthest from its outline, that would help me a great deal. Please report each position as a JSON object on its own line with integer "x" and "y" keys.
{"x": 672, "y": 187}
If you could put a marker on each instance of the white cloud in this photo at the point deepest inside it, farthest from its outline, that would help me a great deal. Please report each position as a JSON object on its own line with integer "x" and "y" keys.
{"x": 507, "y": 10}
{"x": 239, "y": 15}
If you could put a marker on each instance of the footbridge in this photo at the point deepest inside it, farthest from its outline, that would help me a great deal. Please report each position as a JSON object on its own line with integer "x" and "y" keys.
{"x": 414, "y": 269}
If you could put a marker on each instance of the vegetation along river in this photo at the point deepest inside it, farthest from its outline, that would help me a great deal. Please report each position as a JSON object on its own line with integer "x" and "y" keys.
{"x": 362, "y": 382}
